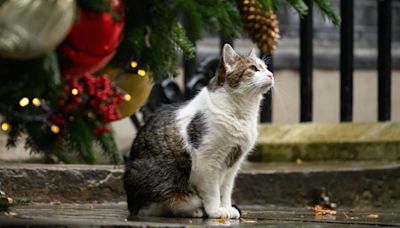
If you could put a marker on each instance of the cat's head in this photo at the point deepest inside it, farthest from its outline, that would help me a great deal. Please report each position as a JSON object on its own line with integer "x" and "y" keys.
{"x": 242, "y": 74}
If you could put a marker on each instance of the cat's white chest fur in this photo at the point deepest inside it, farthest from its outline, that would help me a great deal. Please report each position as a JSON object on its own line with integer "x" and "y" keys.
{"x": 230, "y": 133}
{"x": 227, "y": 124}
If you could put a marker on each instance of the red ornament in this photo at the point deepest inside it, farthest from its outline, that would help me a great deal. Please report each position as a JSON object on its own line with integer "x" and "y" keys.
{"x": 92, "y": 41}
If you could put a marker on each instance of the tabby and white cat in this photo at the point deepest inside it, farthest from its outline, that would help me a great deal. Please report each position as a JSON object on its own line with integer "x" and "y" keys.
{"x": 184, "y": 160}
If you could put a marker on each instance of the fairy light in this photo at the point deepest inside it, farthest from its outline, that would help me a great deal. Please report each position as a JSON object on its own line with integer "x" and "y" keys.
{"x": 127, "y": 97}
{"x": 74, "y": 91}
{"x": 24, "y": 102}
{"x": 36, "y": 102}
{"x": 55, "y": 129}
{"x": 134, "y": 64}
{"x": 141, "y": 72}
{"x": 90, "y": 114}
{"x": 5, "y": 126}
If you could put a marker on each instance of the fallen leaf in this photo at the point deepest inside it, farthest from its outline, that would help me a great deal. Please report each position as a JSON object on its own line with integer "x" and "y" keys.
{"x": 318, "y": 210}
{"x": 223, "y": 220}
{"x": 11, "y": 213}
{"x": 350, "y": 217}
{"x": 373, "y": 216}
{"x": 248, "y": 221}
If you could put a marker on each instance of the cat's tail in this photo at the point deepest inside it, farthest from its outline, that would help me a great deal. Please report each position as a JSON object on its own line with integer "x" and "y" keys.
{"x": 126, "y": 158}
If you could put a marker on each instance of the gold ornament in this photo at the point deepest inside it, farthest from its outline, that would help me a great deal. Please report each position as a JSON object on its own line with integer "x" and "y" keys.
{"x": 30, "y": 28}
{"x": 137, "y": 89}
{"x": 260, "y": 24}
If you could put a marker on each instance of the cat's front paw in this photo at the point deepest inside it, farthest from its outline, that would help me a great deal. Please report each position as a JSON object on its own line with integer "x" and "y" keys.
{"x": 233, "y": 213}
{"x": 218, "y": 213}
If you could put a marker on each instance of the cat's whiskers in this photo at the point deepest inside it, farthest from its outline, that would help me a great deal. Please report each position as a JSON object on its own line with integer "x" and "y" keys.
{"x": 280, "y": 95}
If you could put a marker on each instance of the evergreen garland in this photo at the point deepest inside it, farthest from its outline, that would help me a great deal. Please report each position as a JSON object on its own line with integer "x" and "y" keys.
{"x": 153, "y": 36}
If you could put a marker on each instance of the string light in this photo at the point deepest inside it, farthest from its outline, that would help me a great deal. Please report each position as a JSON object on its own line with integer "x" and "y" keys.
{"x": 36, "y": 101}
{"x": 141, "y": 72}
{"x": 24, "y": 102}
{"x": 127, "y": 97}
{"x": 90, "y": 114}
{"x": 55, "y": 129}
{"x": 134, "y": 64}
{"x": 74, "y": 91}
{"x": 5, "y": 126}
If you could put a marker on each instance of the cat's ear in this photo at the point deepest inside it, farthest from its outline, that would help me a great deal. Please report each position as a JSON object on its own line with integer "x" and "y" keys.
{"x": 221, "y": 71}
{"x": 229, "y": 57}
{"x": 253, "y": 53}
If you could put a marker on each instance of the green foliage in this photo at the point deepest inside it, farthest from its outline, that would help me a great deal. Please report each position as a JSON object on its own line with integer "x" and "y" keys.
{"x": 154, "y": 35}
{"x": 301, "y": 7}
{"x": 269, "y": 4}
{"x": 41, "y": 78}
{"x": 178, "y": 35}
{"x": 81, "y": 139}
{"x": 210, "y": 15}
{"x": 109, "y": 147}
{"x": 326, "y": 8}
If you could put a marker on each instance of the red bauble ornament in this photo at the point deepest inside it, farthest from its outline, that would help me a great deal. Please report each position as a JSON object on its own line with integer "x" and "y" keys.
{"x": 92, "y": 41}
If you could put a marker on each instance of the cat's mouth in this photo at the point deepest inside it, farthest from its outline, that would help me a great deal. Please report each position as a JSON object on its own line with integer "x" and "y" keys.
{"x": 267, "y": 86}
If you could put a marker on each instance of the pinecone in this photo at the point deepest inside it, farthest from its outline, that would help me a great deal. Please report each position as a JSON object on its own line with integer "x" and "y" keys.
{"x": 260, "y": 24}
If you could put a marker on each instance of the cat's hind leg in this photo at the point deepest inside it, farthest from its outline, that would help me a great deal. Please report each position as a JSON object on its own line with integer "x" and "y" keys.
{"x": 185, "y": 206}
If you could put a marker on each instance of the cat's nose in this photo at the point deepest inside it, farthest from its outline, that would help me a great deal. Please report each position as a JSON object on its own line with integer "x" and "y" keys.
{"x": 270, "y": 75}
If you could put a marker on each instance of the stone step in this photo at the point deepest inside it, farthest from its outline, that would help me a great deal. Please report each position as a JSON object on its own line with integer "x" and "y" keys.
{"x": 328, "y": 141}
{"x": 349, "y": 184}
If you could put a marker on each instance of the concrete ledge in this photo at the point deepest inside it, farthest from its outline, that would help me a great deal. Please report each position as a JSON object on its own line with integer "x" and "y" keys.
{"x": 64, "y": 183}
{"x": 348, "y": 184}
{"x": 328, "y": 141}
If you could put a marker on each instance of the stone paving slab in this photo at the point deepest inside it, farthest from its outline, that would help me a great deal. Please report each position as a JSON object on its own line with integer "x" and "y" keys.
{"x": 355, "y": 184}
{"x": 328, "y": 141}
{"x": 116, "y": 215}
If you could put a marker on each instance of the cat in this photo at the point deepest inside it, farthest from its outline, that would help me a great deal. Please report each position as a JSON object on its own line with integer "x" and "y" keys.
{"x": 184, "y": 160}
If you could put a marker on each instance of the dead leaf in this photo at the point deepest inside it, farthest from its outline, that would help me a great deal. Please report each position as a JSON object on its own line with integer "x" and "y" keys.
{"x": 350, "y": 217}
{"x": 373, "y": 216}
{"x": 319, "y": 210}
{"x": 248, "y": 221}
{"x": 223, "y": 220}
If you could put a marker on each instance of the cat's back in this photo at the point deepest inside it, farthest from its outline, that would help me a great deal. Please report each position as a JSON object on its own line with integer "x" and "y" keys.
{"x": 158, "y": 167}
{"x": 159, "y": 135}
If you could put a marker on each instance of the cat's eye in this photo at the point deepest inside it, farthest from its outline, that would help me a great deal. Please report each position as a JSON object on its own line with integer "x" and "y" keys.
{"x": 253, "y": 68}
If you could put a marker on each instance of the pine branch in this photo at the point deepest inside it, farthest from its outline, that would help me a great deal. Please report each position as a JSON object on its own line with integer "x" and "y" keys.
{"x": 109, "y": 147}
{"x": 267, "y": 4}
{"x": 178, "y": 36}
{"x": 300, "y": 6}
{"x": 81, "y": 139}
{"x": 326, "y": 8}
